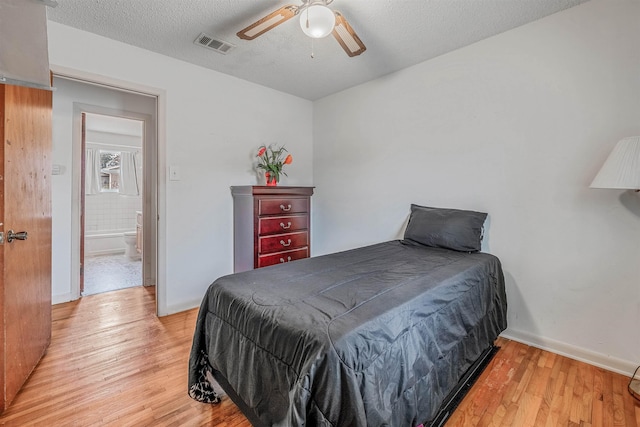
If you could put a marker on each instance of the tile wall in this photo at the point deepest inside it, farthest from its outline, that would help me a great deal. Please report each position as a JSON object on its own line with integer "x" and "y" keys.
{"x": 109, "y": 212}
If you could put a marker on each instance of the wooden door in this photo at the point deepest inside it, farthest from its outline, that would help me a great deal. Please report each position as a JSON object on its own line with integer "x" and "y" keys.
{"x": 25, "y": 206}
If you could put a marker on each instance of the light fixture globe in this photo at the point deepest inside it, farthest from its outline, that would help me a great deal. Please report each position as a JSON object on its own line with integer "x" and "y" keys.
{"x": 317, "y": 21}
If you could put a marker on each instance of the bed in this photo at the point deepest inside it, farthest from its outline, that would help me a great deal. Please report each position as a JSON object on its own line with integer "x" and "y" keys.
{"x": 381, "y": 335}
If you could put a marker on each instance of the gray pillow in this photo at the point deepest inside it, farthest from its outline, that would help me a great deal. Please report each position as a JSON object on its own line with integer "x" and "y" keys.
{"x": 455, "y": 229}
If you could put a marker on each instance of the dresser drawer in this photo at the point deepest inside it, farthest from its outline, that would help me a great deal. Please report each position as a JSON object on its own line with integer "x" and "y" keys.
{"x": 282, "y": 224}
{"x": 282, "y": 257}
{"x": 282, "y": 242}
{"x": 283, "y": 205}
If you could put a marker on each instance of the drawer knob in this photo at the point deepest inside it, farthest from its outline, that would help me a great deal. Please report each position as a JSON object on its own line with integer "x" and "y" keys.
{"x": 285, "y": 244}
{"x": 285, "y": 209}
{"x": 283, "y": 260}
{"x": 286, "y": 227}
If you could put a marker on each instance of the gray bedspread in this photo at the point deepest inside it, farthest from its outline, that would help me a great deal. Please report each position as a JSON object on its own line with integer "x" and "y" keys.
{"x": 375, "y": 336}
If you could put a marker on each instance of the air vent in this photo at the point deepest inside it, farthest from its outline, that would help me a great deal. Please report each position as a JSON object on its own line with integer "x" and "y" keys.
{"x": 219, "y": 46}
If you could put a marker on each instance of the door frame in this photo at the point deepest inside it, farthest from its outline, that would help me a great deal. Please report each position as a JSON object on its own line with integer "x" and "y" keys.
{"x": 149, "y": 210}
{"x": 154, "y": 169}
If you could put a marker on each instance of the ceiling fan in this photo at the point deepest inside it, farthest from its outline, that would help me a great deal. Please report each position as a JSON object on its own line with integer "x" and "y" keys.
{"x": 316, "y": 21}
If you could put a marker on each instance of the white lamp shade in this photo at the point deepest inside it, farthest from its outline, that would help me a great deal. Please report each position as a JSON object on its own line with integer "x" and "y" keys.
{"x": 317, "y": 21}
{"x": 622, "y": 167}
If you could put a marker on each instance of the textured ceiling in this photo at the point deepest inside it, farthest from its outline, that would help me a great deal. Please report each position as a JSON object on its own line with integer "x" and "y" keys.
{"x": 397, "y": 33}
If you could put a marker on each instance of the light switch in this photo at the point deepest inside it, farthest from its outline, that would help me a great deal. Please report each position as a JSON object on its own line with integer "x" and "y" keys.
{"x": 174, "y": 173}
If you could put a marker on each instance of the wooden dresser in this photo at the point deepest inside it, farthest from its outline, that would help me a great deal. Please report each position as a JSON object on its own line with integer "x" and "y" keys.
{"x": 270, "y": 225}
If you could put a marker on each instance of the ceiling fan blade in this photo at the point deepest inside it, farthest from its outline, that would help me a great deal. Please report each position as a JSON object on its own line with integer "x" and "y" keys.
{"x": 347, "y": 38}
{"x": 268, "y": 22}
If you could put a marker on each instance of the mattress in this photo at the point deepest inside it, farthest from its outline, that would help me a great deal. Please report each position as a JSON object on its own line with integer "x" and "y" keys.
{"x": 373, "y": 336}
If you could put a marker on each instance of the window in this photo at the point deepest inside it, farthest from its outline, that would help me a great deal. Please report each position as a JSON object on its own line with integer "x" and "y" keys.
{"x": 109, "y": 170}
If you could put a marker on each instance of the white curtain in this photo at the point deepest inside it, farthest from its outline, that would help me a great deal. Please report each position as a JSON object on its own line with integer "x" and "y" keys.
{"x": 129, "y": 174}
{"x": 92, "y": 171}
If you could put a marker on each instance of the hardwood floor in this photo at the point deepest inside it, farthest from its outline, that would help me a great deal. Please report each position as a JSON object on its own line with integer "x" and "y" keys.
{"x": 525, "y": 386}
{"x": 113, "y": 363}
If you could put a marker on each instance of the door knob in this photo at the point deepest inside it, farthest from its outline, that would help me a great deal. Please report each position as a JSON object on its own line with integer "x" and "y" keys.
{"x": 11, "y": 236}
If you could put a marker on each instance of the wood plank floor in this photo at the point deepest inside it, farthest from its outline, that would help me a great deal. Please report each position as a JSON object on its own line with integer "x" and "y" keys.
{"x": 113, "y": 363}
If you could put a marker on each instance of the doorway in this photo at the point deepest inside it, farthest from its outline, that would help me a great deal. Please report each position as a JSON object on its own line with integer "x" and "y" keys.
{"x": 73, "y": 98}
{"x": 111, "y": 202}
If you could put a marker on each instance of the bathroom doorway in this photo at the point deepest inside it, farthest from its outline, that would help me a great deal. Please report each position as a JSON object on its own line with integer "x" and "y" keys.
{"x": 76, "y": 94}
{"x": 111, "y": 200}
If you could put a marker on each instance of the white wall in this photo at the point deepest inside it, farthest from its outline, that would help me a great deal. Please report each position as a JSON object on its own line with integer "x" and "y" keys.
{"x": 516, "y": 126}
{"x": 213, "y": 125}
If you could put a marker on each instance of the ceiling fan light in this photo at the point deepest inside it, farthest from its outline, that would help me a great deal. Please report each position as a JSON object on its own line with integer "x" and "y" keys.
{"x": 317, "y": 21}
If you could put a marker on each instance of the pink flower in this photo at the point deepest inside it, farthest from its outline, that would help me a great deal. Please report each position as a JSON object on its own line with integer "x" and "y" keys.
{"x": 261, "y": 151}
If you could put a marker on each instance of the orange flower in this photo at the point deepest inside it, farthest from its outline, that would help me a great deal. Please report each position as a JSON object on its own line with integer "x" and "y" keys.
{"x": 270, "y": 160}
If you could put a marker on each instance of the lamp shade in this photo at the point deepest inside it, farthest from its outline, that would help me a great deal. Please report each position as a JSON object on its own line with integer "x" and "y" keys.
{"x": 622, "y": 167}
{"x": 317, "y": 21}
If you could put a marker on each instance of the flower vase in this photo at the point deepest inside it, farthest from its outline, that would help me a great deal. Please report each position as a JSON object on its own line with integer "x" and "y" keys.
{"x": 271, "y": 181}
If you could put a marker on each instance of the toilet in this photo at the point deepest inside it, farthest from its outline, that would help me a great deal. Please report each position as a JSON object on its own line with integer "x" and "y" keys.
{"x": 130, "y": 250}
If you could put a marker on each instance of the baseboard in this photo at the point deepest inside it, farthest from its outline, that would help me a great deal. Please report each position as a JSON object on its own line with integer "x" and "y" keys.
{"x": 610, "y": 363}
{"x": 59, "y": 299}
{"x": 115, "y": 251}
{"x": 184, "y": 306}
